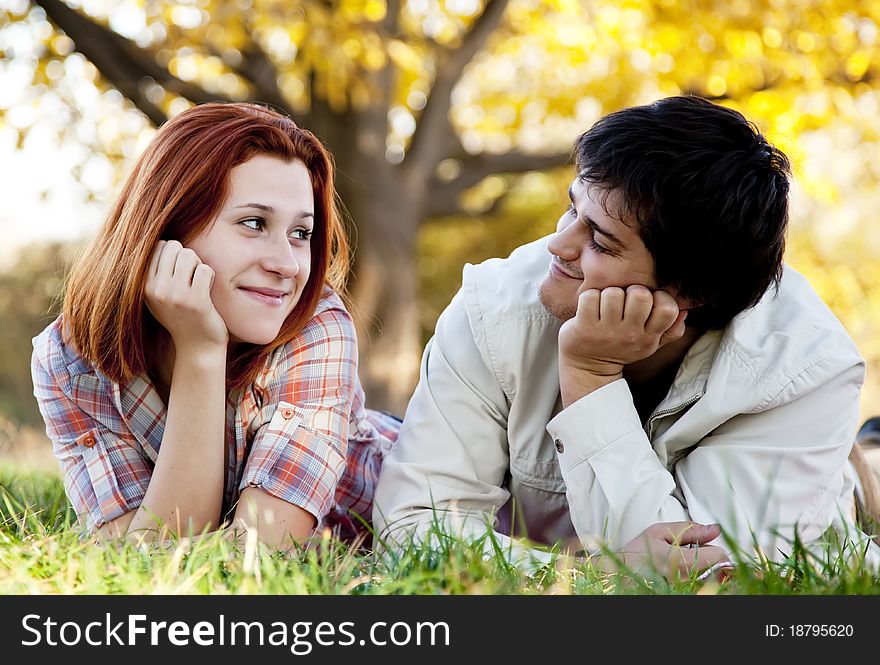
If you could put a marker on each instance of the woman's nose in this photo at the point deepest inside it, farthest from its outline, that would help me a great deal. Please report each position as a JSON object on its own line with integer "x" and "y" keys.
{"x": 280, "y": 258}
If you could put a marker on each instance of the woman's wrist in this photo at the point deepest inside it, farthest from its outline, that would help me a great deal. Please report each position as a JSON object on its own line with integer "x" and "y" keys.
{"x": 200, "y": 357}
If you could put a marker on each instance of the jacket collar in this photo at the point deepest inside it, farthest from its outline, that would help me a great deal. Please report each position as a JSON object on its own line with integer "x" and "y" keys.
{"x": 693, "y": 373}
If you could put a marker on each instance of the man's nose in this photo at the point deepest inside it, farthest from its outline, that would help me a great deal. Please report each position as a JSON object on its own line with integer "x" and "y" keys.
{"x": 564, "y": 243}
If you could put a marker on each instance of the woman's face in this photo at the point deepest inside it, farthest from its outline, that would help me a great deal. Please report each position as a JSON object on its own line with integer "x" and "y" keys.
{"x": 259, "y": 247}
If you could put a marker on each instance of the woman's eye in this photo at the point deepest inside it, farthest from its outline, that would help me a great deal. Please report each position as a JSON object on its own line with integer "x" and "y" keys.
{"x": 253, "y": 223}
{"x": 301, "y": 234}
{"x": 571, "y": 210}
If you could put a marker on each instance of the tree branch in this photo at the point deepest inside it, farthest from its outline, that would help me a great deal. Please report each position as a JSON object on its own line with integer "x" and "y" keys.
{"x": 257, "y": 68}
{"x": 434, "y": 130}
{"x": 388, "y": 25}
{"x": 123, "y": 64}
{"x": 453, "y": 208}
{"x": 443, "y": 196}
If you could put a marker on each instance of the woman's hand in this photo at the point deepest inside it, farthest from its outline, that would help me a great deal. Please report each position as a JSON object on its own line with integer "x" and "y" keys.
{"x": 178, "y": 293}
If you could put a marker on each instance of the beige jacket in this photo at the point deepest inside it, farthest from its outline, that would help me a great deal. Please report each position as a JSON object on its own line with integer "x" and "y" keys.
{"x": 754, "y": 432}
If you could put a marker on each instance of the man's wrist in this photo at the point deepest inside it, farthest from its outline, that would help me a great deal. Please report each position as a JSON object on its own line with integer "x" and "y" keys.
{"x": 575, "y": 384}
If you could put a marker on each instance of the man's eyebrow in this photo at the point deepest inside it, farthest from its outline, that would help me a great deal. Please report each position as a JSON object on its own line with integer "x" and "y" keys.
{"x": 595, "y": 227}
{"x": 269, "y": 209}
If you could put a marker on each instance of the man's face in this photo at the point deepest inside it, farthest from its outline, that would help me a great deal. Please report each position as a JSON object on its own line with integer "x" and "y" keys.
{"x": 592, "y": 249}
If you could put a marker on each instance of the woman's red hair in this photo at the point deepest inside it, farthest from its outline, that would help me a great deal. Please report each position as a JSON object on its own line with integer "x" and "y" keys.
{"x": 175, "y": 190}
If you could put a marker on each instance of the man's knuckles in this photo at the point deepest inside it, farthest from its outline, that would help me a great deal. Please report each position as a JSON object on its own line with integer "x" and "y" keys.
{"x": 639, "y": 294}
{"x": 613, "y": 295}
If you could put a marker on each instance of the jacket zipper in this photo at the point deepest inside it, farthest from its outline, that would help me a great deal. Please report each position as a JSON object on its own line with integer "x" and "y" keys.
{"x": 666, "y": 412}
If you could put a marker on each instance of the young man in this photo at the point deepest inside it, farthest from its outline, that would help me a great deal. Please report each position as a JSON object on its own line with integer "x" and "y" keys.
{"x": 651, "y": 362}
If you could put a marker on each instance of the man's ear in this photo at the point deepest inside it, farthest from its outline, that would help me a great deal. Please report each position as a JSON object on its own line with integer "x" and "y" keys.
{"x": 686, "y": 303}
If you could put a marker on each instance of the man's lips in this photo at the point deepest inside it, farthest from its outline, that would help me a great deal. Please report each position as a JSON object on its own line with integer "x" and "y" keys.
{"x": 557, "y": 269}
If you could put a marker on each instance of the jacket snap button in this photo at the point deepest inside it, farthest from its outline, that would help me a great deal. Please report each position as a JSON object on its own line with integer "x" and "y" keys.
{"x": 559, "y": 447}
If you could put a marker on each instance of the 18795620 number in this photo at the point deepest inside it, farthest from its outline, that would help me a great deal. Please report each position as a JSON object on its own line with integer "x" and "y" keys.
{"x": 808, "y": 630}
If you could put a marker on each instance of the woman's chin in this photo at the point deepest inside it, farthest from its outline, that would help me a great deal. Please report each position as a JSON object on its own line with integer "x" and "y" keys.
{"x": 256, "y": 337}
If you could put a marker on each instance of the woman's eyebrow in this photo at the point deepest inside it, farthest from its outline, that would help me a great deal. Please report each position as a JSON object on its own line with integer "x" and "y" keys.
{"x": 258, "y": 206}
{"x": 270, "y": 210}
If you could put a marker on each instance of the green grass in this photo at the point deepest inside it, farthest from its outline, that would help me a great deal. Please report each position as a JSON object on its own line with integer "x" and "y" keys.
{"x": 41, "y": 552}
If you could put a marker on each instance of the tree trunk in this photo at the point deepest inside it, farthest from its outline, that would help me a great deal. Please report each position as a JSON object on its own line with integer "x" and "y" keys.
{"x": 385, "y": 305}
{"x": 386, "y": 211}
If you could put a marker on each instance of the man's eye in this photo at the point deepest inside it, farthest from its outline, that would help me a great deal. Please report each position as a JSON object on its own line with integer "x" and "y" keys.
{"x": 597, "y": 247}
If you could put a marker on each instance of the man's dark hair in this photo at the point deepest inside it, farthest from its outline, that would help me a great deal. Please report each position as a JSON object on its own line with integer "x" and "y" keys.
{"x": 707, "y": 193}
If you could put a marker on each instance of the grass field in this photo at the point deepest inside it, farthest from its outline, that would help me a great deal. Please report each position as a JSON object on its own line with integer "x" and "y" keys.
{"x": 41, "y": 552}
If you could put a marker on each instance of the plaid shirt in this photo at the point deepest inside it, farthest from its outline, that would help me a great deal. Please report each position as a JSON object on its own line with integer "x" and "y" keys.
{"x": 299, "y": 432}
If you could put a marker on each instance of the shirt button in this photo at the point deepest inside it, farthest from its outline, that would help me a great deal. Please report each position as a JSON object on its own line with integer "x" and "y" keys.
{"x": 287, "y": 414}
{"x": 88, "y": 440}
{"x": 559, "y": 447}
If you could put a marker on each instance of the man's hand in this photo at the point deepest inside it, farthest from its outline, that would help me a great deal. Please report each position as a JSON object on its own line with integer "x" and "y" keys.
{"x": 611, "y": 329}
{"x": 675, "y": 550}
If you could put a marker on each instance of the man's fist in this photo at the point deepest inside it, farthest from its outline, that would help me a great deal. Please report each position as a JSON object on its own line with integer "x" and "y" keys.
{"x": 614, "y": 328}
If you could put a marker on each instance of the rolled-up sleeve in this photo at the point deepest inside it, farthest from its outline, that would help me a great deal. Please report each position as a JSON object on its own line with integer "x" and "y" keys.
{"x": 299, "y": 454}
{"x": 105, "y": 475}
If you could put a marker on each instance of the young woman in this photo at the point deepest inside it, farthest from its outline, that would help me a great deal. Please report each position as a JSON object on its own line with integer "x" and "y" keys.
{"x": 203, "y": 371}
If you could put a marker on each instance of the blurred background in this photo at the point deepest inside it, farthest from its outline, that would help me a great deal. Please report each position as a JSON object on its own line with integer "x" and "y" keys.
{"x": 451, "y": 122}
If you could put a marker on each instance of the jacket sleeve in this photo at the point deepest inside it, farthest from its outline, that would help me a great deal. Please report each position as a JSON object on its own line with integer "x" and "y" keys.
{"x": 762, "y": 476}
{"x": 451, "y": 459}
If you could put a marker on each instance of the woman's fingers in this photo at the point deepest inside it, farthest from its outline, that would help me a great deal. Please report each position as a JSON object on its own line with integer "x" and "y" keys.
{"x": 184, "y": 267}
{"x": 178, "y": 294}
{"x": 173, "y": 267}
{"x": 167, "y": 260}
{"x": 154, "y": 259}
{"x": 203, "y": 278}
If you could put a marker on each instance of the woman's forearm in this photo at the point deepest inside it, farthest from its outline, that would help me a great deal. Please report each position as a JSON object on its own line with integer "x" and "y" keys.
{"x": 185, "y": 493}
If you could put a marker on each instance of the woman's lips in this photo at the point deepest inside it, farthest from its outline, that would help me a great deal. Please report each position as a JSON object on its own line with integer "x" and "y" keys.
{"x": 266, "y": 296}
